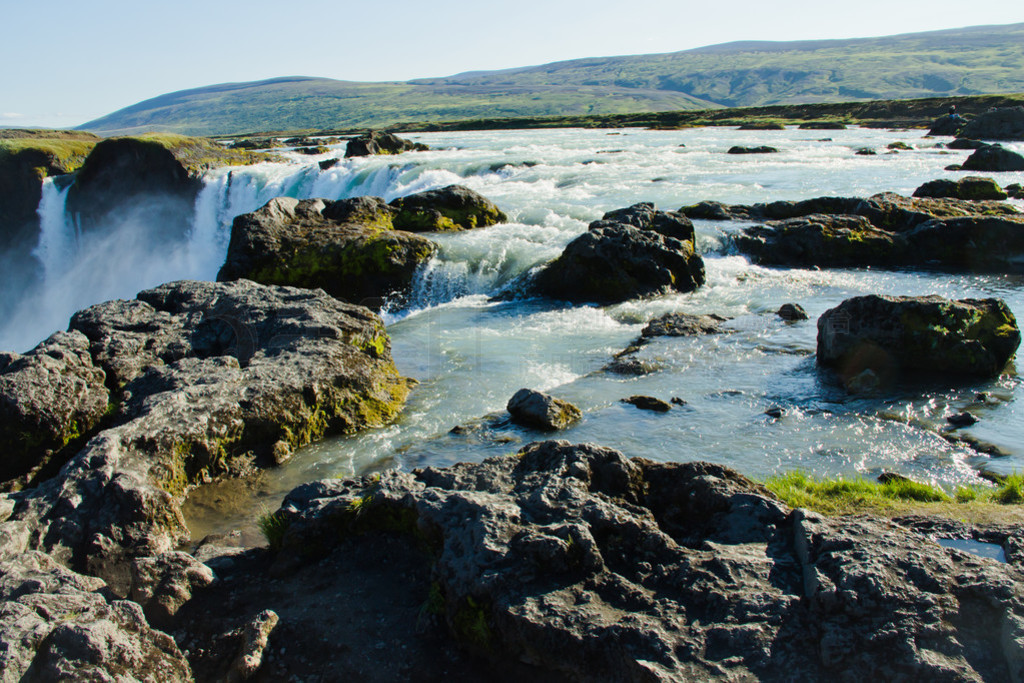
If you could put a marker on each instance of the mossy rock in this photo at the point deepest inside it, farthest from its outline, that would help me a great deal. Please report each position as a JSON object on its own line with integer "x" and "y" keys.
{"x": 448, "y": 209}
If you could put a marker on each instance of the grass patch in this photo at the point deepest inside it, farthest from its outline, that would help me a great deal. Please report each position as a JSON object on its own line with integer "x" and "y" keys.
{"x": 841, "y": 496}
{"x": 273, "y": 526}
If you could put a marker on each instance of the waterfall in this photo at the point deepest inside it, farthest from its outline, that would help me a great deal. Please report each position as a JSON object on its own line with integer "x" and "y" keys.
{"x": 57, "y": 233}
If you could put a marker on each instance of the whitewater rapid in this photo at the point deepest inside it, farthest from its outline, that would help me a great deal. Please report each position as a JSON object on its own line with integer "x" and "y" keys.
{"x": 470, "y": 353}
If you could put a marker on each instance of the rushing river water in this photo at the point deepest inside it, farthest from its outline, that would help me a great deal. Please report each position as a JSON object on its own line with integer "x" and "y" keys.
{"x": 470, "y": 353}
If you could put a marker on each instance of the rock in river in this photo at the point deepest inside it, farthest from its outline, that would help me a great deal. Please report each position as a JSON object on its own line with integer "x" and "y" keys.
{"x": 971, "y": 187}
{"x": 630, "y": 253}
{"x": 994, "y": 158}
{"x": 541, "y": 411}
{"x": 348, "y": 248}
{"x": 887, "y": 335}
{"x": 381, "y": 143}
{"x": 448, "y": 209}
{"x": 1003, "y": 123}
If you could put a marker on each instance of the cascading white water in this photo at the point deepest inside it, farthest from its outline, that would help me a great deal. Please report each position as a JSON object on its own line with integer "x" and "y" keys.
{"x": 57, "y": 233}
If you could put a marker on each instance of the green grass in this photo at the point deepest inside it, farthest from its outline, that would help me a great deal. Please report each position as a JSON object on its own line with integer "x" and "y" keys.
{"x": 837, "y": 496}
{"x": 955, "y": 63}
{"x": 273, "y": 526}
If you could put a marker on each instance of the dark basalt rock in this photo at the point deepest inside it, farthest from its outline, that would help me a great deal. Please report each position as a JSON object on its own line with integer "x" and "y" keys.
{"x": 617, "y": 260}
{"x": 824, "y": 241}
{"x": 971, "y": 243}
{"x": 971, "y": 187}
{"x": 347, "y": 248}
{"x": 381, "y": 143}
{"x": 792, "y": 312}
{"x": 822, "y": 125}
{"x": 593, "y": 566}
{"x": 683, "y": 325}
{"x": 949, "y": 124}
{"x": 208, "y": 380}
{"x": 1016, "y": 191}
{"x": 1005, "y": 123}
{"x": 887, "y": 335}
{"x": 763, "y": 149}
{"x": 763, "y": 125}
{"x": 541, "y": 411}
{"x": 994, "y": 158}
{"x": 448, "y": 209}
{"x": 965, "y": 143}
{"x": 866, "y": 152}
{"x": 51, "y": 399}
{"x": 648, "y": 403}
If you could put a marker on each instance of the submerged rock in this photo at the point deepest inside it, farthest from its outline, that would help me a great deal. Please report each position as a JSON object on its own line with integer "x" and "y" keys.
{"x": 1004, "y": 123}
{"x": 592, "y": 566}
{"x": 541, "y": 411}
{"x": 993, "y": 158}
{"x": 791, "y": 312}
{"x": 381, "y": 142}
{"x": 648, "y": 403}
{"x": 448, "y": 209}
{"x": 971, "y": 187}
{"x": 683, "y": 325}
{"x": 630, "y": 253}
{"x": 347, "y": 248}
{"x": 891, "y": 335}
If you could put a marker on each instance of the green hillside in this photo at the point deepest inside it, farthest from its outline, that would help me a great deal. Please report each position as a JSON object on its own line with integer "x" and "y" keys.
{"x": 969, "y": 61}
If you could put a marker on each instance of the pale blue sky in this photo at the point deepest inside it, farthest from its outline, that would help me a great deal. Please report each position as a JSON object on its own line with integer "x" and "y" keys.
{"x": 65, "y": 63}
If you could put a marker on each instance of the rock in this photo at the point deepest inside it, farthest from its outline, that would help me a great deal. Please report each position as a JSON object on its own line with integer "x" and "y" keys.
{"x": 791, "y": 312}
{"x": 648, "y": 403}
{"x": 1016, "y": 191}
{"x": 899, "y": 145}
{"x": 254, "y": 637}
{"x": 207, "y": 379}
{"x": 965, "y": 143}
{"x": 347, "y": 248}
{"x": 51, "y": 400}
{"x": 708, "y": 210}
{"x": 592, "y": 566}
{"x": 932, "y": 335}
{"x": 636, "y": 367}
{"x": 972, "y": 243}
{"x": 256, "y": 143}
{"x": 822, "y": 125}
{"x": 1005, "y": 123}
{"x": 683, "y": 325}
{"x": 541, "y": 411}
{"x": 893, "y": 477}
{"x": 775, "y": 412}
{"x": 994, "y": 158}
{"x": 961, "y": 420}
{"x": 971, "y": 187}
{"x": 949, "y": 124}
{"x": 823, "y": 241}
{"x": 164, "y": 583}
{"x": 448, "y": 209}
{"x": 763, "y": 125}
{"x": 617, "y": 260}
{"x": 56, "y": 625}
{"x": 313, "y": 149}
{"x": 381, "y": 143}
{"x": 865, "y": 151}
{"x": 763, "y": 149}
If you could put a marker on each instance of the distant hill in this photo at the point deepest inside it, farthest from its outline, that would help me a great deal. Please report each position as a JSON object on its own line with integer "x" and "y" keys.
{"x": 968, "y": 61}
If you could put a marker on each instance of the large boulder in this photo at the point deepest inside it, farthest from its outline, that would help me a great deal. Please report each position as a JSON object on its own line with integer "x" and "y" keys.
{"x": 824, "y": 241}
{"x": 1004, "y": 123}
{"x": 971, "y": 187}
{"x": 447, "y": 209}
{"x": 592, "y": 566}
{"x": 541, "y": 411}
{"x": 347, "y": 248}
{"x": 887, "y": 335}
{"x": 51, "y": 400}
{"x": 630, "y": 253}
{"x": 948, "y": 124}
{"x": 969, "y": 243}
{"x": 381, "y": 142}
{"x": 207, "y": 380}
{"x": 993, "y": 158}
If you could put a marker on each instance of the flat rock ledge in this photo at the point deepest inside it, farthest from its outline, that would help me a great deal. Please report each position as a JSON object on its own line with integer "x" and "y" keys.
{"x": 204, "y": 380}
{"x": 592, "y": 566}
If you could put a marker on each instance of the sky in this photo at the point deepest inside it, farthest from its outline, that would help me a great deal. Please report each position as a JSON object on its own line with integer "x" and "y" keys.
{"x": 64, "y": 63}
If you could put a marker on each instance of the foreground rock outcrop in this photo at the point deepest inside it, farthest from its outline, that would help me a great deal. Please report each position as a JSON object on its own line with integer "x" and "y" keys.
{"x": 633, "y": 252}
{"x": 592, "y": 566}
{"x": 205, "y": 380}
{"x": 886, "y": 336}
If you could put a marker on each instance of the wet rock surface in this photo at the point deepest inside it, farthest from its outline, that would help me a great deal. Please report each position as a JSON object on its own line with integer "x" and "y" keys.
{"x": 827, "y": 241}
{"x": 348, "y": 248}
{"x": 587, "y": 565}
{"x": 971, "y": 187}
{"x": 1004, "y": 123}
{"x": 630, "y": 253}
{"x": 379, "y": 142}
{"x": 994, "y": 158}
{"x": 887, "y": 336}
{"x": 447, "y": 209}
{"x": 541, "y": 411}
